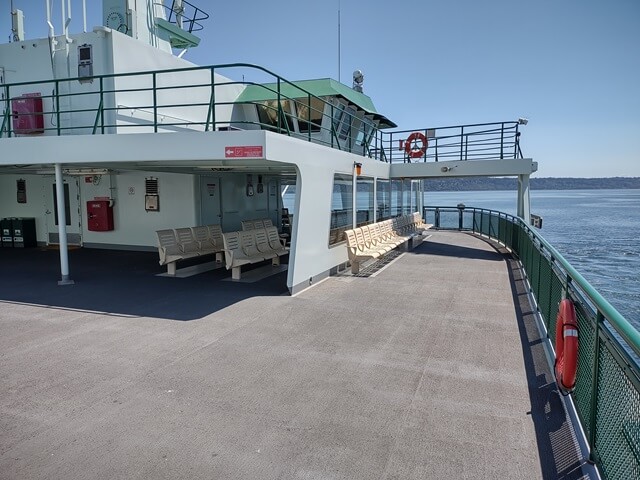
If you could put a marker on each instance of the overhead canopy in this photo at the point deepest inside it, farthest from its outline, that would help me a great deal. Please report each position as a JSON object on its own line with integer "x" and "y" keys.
{"x": 322, "y": 87}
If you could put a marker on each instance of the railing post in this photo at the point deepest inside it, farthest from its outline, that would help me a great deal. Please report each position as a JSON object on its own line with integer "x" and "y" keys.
{"x": 279, "y": 109}
{"x": 516, "y": 143}
{"x": 102, "y": 105}
{"x": 155, "y": 104}
{"x": 461, "y": 142}
{"x": 594, "y": 388}
{"x": 58, "y": 107}
{"x": 436, "y": 149}
{"x": 7, "y": 114}
{"x": 211, "y": 114}
{"x": 309, "y": 116}
{"x": 332, "y": 120}
{"x": 502, "y": 141}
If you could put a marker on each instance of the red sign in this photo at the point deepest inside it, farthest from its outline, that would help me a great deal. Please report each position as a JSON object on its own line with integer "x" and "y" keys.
{"x": 243, "y": 152}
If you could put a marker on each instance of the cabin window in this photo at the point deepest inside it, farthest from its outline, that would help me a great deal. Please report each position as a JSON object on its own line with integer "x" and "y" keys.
{"x": 338, "y": 113}
{"x": 406, "y": 197}
{"x": 310, "y": 118}
{"x": 364, "y": 201}
{"x": 396, "y": 198}
{"x": 349, "y": 117}
{"x": 383, "y": 200}
{"x": 341, "y": 207}
{"x": 268, "y": 115}
{"x": 364, "y": 132}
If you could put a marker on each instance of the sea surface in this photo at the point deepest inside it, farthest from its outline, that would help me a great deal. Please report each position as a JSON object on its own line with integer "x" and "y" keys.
{"x": 597, "y": 231}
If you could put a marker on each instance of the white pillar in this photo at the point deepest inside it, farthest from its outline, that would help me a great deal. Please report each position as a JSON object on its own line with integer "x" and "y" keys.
{"x": 62, "y": 228}
{"x": 524, "y": 200}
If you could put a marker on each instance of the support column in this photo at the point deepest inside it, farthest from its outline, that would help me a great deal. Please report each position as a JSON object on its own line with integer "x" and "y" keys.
{"x": 524, "y": 200}
{"x": 62, "y": 228}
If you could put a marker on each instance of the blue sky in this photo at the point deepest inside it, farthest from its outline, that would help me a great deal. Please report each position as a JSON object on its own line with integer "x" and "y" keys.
{"x": 571, "y": 67}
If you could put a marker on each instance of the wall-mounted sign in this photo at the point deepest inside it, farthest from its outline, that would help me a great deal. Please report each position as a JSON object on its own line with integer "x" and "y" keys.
{"x": 243, "y": 152}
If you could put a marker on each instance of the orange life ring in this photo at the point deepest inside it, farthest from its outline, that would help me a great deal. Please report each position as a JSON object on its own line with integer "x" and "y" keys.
{"x": 410, "y": 145}
{"x": 566, "y": 366}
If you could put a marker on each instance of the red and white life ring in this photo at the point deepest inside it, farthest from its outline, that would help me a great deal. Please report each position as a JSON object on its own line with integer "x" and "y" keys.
{"x": 411, "y": 145}
{"x": 566, "y": 366}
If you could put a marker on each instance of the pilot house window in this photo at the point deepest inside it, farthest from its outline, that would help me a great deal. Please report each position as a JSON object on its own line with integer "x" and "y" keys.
{"x": 268, "y": 114}
{"x": 310, "y": 112}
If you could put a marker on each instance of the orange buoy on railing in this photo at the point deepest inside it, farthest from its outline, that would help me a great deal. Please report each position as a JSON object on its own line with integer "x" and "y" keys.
{"x": 566, "y": 366}
{"x": 411, "y": 145}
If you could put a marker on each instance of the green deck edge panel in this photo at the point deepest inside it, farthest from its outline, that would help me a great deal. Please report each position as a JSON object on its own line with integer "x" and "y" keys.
{"x": 321, "y": 87}
{"x": 178, "y": 37}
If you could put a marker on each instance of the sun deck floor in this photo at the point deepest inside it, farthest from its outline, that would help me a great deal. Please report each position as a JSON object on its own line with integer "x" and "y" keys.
{"x": 432, "y": 368}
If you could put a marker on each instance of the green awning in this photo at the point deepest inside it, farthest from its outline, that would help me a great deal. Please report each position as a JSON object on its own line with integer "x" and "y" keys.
{"x": 322, "y": 87}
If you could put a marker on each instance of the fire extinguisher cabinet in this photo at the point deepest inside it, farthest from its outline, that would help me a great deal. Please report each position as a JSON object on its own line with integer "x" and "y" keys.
{"x": 99, "y": 215}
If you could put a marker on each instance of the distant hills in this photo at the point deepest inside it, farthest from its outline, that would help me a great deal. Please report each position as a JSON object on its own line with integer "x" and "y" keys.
{"x": 548, "y": 183}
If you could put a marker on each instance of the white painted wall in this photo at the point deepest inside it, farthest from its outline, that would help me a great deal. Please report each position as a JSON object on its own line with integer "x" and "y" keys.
{"x": 38, "y": 187}
{"x": 311, "y": 254}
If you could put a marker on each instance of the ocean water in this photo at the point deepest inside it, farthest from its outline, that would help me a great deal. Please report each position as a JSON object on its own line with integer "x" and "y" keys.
{"x": 597, "y": 231}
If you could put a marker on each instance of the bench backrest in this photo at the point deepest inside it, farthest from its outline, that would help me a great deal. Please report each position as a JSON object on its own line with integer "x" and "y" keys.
{"x": 231, "y": 241}
{"x": 248, "y": 243}
{"x": 215, "y": 234}
{"x": 166, "y": 238}
{"x": 248, "y": 225}
{"x": 274, "y": 238}
{"x": 186, "y": 240}
{"x": 262, "y": 241}
{"x": 200, "y": 234}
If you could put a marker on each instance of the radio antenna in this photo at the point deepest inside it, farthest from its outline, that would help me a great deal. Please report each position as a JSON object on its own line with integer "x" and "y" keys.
{"x": 339, "y": 79}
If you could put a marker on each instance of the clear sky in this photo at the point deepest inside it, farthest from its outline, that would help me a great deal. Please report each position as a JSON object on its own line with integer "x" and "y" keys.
{"x": 572, "y": 67}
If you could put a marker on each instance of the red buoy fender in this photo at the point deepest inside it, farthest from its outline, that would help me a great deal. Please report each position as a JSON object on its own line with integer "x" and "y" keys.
{"x": 566, "y": 367}
{"x": 411, "y": 147}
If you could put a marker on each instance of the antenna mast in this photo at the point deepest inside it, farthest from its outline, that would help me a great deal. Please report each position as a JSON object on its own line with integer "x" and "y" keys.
{"x": 339, "y": 41}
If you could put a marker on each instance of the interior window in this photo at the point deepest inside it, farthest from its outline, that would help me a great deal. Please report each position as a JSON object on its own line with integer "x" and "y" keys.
{"x": 341, "y": 207}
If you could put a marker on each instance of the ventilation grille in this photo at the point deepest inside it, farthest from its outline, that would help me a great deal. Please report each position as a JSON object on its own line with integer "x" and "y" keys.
{"x": 151, "y": 186}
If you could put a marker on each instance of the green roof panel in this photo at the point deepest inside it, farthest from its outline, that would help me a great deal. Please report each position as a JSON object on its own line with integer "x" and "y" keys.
{"x": 322, "y": 87}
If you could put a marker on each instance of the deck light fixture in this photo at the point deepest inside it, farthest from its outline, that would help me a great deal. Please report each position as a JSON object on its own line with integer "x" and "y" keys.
{"x": 358, "y": 167}
{"x": 523, "y": 121}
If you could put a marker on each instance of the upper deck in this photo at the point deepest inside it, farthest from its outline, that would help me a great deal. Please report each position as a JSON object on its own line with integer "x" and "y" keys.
{"x": 389, "y": 376}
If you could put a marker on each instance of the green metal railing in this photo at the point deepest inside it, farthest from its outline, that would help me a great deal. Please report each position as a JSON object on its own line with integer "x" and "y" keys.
{"x": 191, "y": 99}
{"x": 607, "y": 394}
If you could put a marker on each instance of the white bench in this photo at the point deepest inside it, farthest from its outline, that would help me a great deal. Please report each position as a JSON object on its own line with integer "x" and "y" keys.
{"x": 374, "y": 240}
{"x": 189, "y": 242}
{"x": 252, "y": 246}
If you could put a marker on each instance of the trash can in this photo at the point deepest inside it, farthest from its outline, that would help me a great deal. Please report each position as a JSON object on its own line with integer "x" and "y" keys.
{"x": 24, "y": 232}
{"x": 6, "y": 229}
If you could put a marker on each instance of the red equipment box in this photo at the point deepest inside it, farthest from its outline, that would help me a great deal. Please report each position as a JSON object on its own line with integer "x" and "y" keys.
{"x": 99, "y": 215}
{"x": 27, "y": 114}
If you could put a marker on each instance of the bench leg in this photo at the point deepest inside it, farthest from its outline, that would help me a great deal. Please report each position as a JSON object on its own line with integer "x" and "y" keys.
{"x": 275, "y": 261}
{"x": 171, "y": 268}
{"x": 218, "y": 256}
{"x": 235, "y": 273}
{"x": 355, "y": 267}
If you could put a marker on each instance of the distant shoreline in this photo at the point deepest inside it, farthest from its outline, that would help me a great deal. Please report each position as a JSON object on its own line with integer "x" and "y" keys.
{"x": 548, "y": 183}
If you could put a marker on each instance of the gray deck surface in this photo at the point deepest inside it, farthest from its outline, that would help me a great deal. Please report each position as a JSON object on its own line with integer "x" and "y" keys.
{"x": 432, "y": 368}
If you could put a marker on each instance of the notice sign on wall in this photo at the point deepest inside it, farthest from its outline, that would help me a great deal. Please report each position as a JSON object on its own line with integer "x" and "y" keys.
{"x": 243, "y": 152}
{"x": 211, "y": 189}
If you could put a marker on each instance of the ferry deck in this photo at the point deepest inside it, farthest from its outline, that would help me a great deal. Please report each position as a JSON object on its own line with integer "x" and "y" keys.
{"x": 387, "y": 374}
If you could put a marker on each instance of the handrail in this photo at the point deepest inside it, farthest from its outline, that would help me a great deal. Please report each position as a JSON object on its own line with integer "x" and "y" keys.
{"x": 353, "y": 132}
{"x": 608, "y": 386}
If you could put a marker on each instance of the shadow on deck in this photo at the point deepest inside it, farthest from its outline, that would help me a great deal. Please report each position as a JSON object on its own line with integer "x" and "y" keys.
{"x": 123, "y": 283}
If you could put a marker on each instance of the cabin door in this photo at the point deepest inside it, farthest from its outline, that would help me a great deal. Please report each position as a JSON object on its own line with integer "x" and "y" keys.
{"x": 210, "y": 212}
{"x": 72, "y": 212}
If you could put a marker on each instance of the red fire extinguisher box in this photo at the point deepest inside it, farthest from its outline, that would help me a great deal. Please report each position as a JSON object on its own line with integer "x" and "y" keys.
{"x": 99, "y": 215}
{"x": 27, "y": 114}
